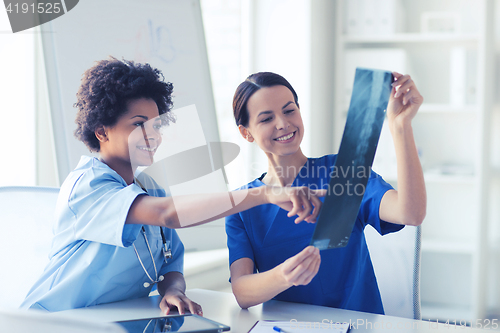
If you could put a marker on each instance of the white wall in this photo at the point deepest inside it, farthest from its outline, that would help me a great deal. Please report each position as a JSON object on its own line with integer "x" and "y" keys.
{"x": 281, "y": 43}
{"x": 17, "y": 101}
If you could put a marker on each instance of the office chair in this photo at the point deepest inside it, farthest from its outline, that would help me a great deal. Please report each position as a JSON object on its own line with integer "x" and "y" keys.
{"x": 26, "y": 219}
{"x": 396, "y": 261}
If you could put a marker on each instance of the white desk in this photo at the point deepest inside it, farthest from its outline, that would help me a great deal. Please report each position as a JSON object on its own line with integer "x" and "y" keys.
{"x": 222, "y": 307}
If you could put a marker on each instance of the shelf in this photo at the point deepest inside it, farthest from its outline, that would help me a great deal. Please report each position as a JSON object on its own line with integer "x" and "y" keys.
{"x": 447, "y": 109}
{"x": 441, "y": 178}
{"x": 449, "y": 135}
{"x": 410, "y": 38}
{"x": 449, "y": 179}
{"x": 437, "y": 109}
{"x": 447, "y": 247}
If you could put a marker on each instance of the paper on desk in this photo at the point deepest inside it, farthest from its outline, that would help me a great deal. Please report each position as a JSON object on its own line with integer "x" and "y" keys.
{"x": 295, "y": 326}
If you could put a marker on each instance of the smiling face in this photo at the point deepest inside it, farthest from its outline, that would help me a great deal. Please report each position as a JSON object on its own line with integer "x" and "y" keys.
{"x": 275, "y": 123}
{"x": 133, "y": 140}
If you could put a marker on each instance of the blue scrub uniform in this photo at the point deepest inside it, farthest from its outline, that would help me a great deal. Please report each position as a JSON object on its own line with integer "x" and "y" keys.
{"x": 345, "y": 278}
{"x": 92, "y": 260}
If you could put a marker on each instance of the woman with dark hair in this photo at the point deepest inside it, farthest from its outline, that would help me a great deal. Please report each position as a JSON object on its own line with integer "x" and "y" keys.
{"x": 269, "y": 258}
{"x": 113, "y": 237}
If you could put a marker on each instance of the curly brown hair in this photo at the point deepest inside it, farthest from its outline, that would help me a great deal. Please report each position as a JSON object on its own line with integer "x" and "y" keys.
{"x": 108, "y": 86}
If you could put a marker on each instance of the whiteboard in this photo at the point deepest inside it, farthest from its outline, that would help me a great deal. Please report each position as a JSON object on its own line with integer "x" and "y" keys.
{"x": 168, "y": 34}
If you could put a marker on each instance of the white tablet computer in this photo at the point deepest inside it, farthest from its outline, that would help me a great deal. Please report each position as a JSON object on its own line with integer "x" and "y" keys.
{"x": 173, "y": 323}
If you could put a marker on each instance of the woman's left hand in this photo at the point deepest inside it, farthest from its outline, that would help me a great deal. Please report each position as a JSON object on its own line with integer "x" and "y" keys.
{"x": 174, "y": 298}
{"x": 404, "y": 101}
{"x": 298, "y": 200}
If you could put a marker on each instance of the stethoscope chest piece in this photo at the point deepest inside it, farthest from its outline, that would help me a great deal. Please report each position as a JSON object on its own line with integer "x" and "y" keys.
{"x": 167, "y": 252}
{"x": 147, "y": 284}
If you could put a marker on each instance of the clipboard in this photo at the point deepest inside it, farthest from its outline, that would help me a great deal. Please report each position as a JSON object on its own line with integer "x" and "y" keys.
{"x": 295, "y": 326}
{"x": 350, "y": 174}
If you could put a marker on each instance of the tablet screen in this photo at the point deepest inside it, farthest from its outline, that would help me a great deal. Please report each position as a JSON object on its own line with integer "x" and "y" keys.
{"x": 177, "y": 323}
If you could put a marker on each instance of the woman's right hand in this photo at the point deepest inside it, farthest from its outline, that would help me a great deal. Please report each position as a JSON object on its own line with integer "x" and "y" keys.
{"x": 297, "y": 201}
{"x": 251, "y": 289}
{"x": 301, "y": 268}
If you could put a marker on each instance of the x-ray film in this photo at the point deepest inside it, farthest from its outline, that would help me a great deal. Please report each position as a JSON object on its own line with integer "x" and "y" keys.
{"x": 370, "y": 96}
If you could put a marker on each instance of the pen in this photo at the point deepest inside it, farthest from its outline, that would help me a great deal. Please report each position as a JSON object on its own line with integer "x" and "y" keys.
{"x": 277, "y": 329}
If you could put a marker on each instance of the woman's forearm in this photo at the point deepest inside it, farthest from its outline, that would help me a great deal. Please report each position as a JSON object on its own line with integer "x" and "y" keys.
{"x": 173, "y": 280}
{"x": 253, "y": 289}
{"x": 188, "y": 210}
{"x": 411, "y": 194}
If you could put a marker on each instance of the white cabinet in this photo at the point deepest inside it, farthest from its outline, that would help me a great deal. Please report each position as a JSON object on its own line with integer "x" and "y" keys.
{"x": 447, "y": 48}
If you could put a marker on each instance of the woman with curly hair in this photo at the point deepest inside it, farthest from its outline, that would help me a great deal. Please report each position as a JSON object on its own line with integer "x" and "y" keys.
{"x": 114, "y": 237}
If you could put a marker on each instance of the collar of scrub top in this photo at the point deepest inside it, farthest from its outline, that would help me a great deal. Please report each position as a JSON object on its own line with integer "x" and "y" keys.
{"x": 167, "y": 252}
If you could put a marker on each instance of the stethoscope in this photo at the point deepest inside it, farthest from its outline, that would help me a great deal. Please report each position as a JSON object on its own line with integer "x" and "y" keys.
{"x": 167, "y": 253}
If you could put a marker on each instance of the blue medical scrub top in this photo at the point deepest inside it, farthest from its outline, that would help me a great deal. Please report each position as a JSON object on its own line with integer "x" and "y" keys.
{"x": 345, "y": 278}
{"x": 92, "y": 260}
